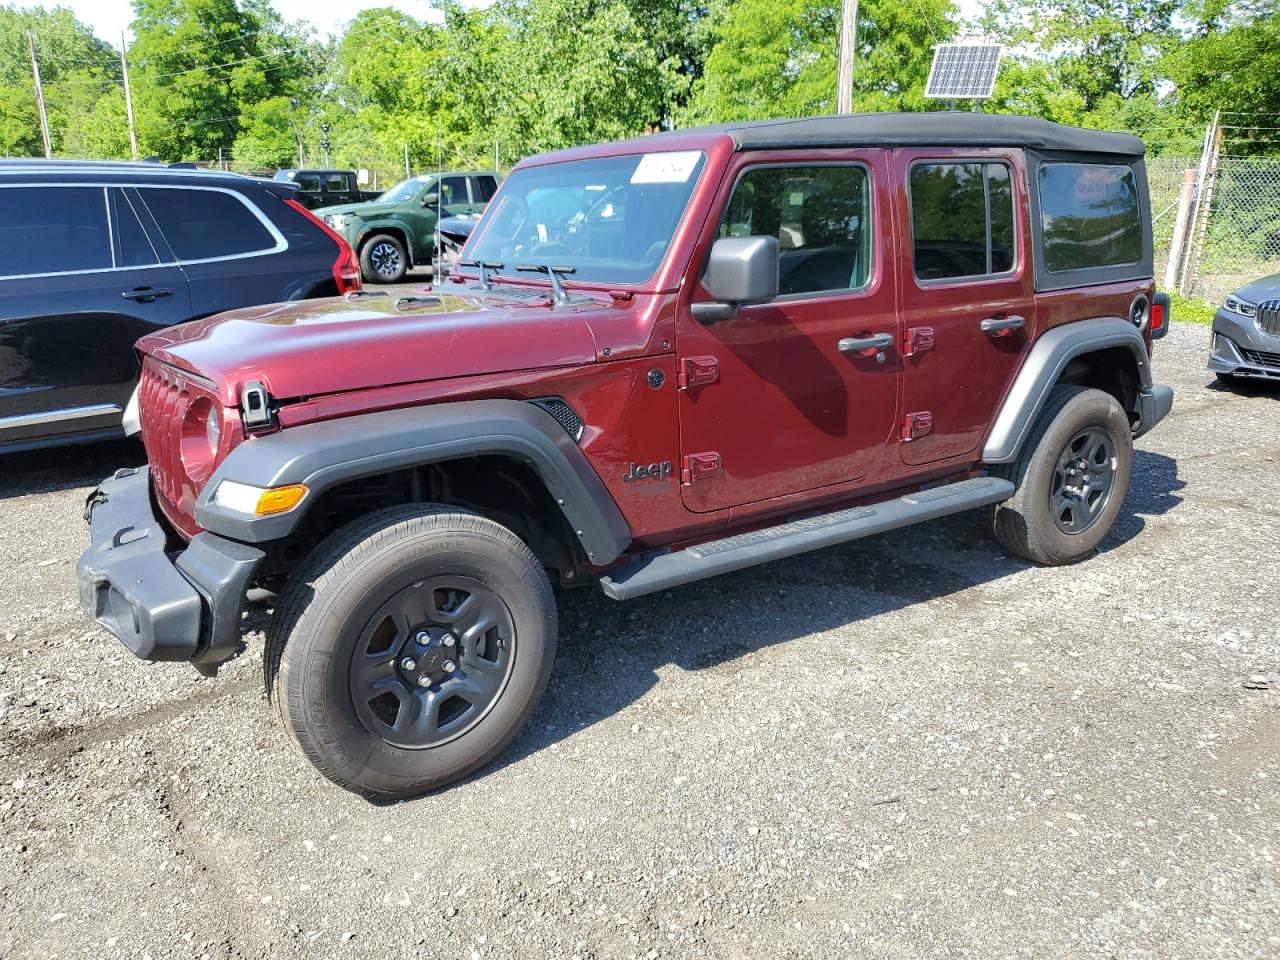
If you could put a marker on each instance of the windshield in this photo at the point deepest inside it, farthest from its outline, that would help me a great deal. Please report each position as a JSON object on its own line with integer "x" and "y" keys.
{"x": 610, "y": 218}
{"x": 403, "y": 192}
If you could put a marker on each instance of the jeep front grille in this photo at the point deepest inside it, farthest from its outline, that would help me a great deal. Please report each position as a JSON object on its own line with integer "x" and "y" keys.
{"x": 1268, "y": 317}
{"x": 164, "y": 394}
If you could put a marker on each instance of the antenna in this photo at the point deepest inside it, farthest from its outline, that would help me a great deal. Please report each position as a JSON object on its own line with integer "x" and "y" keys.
{"x": 963, "y": 71}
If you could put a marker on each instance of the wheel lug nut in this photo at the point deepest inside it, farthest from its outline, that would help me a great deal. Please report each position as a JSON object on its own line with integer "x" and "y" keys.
{"x": 408, "y": 663}
{"x": 423, "y": 636}
{"x": 448, "y": 640}
{"x": 448, "y": 666}
{"x": 424, "y": 681}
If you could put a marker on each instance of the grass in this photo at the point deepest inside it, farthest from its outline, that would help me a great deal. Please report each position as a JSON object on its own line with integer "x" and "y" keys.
{"x": 1191, "y": 310}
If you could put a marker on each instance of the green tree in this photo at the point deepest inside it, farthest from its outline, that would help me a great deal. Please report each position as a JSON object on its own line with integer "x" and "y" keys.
{"x": 774, "y": 58}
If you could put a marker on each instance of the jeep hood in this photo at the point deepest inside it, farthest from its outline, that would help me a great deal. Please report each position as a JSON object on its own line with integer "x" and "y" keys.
{"x": 316, "y": 347}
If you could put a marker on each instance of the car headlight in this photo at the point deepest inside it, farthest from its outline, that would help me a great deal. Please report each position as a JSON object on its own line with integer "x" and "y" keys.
{"x": 338, "y": 221}
{"x": 1243, "y": 307}
{"x": 200, "y": 434}
{"x": 254, "y": 501}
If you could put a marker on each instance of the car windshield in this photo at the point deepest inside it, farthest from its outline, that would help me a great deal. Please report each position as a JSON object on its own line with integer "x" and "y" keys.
{"x": 611, "y": 218}
{"x": 404, "y": 191}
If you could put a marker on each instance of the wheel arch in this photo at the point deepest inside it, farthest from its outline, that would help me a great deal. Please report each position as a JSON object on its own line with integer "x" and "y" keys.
{"x": 482, "y": 450}
{"x": 386, "y": 228}
{"x": 1103, "y": 352}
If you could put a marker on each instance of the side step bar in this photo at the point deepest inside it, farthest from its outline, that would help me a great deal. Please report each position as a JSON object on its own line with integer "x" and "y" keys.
{"x": 799, "y": 536}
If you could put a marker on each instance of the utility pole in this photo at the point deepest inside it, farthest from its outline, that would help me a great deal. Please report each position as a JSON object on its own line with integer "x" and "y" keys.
{"x": 848, "y": 50}
{"x": 128, "y": 99}
{"x": 35, "y": 72}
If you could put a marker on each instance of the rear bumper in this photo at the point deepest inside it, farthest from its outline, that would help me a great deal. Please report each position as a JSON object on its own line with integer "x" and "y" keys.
{"x": 162, "y": 607}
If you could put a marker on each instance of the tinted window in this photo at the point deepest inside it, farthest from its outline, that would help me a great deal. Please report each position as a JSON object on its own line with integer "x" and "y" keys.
{"x": 335, "y": 183}
{"x": 488, "y": 186}
{"x": 821, "y": 217}
{"x": 200, "y": 224}
{"x": 961, "y": 220}
{"x": 53, "y": 229}
{"x": 309, "y": 182}
{"x": 1089, "y": 214}
{"x": 453, "y": 190}
{"x": 133, "y": 248}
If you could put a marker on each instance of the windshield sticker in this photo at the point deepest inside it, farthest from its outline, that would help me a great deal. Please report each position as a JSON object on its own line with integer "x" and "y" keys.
{"x": 673, "y": 167}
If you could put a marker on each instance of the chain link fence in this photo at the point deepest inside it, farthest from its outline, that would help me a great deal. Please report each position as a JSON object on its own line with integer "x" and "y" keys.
{"x": 1238, "y": 237}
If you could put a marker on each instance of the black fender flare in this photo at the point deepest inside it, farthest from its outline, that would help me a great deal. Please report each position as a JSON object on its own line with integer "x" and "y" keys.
{"x": 329, "y": 452}
{"x": 1044, "y": 365}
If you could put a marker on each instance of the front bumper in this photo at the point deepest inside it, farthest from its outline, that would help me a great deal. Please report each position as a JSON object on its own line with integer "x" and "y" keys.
{"x": 185, "y": 607}
{"x": 1239, "y": 347}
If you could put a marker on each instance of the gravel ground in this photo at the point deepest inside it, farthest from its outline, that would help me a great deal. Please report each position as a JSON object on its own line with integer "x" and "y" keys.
{"x": 907, "y": 747}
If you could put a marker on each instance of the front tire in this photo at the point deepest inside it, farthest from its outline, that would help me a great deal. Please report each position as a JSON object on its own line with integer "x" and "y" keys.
{"x": 410, "y": 649}
{"x": 1070, "y": 481}
{"x": 383, "y": 259}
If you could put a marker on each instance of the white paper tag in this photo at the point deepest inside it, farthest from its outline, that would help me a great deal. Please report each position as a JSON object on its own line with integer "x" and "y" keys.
{"x": 673, "y": 167}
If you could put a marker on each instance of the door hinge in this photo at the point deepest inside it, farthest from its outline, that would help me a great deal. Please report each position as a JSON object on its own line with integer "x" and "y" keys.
{"x": 699, "y": 466}
{"x": 919, "y": 339}
{"x": 697, "y": 371}
{"x": 917, "y": 425}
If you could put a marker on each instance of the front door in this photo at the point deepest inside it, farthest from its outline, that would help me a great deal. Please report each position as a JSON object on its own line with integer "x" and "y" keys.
{"x": 80, "y": 282}
{"x": 770, "y": 404}
{"x": 968, "y": 299}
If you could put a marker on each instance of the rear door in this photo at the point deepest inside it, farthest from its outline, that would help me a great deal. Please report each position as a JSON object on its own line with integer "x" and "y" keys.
{"x": 770, "y": 404}
{"x": 967, "y": 294}
{"x": 80, "y": 283}
{"x": 231, "y": 252}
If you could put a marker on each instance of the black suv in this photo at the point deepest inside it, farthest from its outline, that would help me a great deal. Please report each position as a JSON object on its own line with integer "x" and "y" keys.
{"x": 95, "y": 255}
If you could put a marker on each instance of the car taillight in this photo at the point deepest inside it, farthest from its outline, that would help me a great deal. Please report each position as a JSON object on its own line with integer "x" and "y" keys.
{"x": 346, "y": 269}
{"x": 1159, "y": 323}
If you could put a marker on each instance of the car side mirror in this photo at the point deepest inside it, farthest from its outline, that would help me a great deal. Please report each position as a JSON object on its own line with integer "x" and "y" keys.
{"x": 431, "y": 199}
{"x": 739, "y": 270}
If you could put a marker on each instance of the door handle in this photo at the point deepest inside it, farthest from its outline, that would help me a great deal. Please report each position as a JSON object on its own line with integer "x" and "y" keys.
{"x": 146, "y": 294}
{"x": 877, "y": 341}
{"x": 999, "y": 326}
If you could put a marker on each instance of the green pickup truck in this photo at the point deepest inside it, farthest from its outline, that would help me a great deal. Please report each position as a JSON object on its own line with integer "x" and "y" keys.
{"x": 397, "y": 230}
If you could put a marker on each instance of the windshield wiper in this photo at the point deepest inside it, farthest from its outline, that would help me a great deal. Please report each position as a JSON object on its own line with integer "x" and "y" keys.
{"x": 558, "y": 294}
{"x": 484, "y": 266}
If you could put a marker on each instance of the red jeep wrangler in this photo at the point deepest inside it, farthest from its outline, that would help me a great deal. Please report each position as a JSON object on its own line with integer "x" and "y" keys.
{"x": 662, "y": 360}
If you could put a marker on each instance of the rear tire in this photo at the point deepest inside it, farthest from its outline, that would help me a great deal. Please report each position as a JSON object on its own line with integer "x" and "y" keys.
{"x": 410, "y": 649}
{"x": 383, "y": 259}
{"x": 1070, "y": 480}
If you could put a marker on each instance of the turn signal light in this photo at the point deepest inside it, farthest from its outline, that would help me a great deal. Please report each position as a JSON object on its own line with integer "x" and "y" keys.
{"x": 280, "y": 499}
{"x": 258, "y": 501}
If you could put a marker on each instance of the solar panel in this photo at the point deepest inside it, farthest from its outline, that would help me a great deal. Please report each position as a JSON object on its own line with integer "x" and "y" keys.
{"x": 963, "y": 71}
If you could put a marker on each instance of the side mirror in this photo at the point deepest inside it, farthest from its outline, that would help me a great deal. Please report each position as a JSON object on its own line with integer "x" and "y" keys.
{"x": 431, "y": 199}
{"x": 740, "y": 270}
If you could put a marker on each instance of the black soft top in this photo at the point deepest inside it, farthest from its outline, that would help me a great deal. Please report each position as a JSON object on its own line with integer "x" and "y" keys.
{"x": 931, "y": 129}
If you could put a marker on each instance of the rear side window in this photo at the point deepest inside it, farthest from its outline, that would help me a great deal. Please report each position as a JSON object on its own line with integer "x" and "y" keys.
{"x": 1089, "y": 216}
{"x": 133, "y": 248}
{"x": 204, "y": 224}
{"x": 53, "y": 230}
{"x": 335, "y": 183}
{"x": 488, "y": 186}
{"x": 961, "y": 220}
{"x": 821, "y": 217}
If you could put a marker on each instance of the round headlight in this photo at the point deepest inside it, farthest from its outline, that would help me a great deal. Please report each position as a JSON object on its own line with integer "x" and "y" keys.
{"x": 212, "y": 431}
{"x": 200, "y": 434}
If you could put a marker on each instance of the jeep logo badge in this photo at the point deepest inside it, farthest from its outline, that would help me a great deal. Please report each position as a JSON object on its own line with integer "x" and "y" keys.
{"x": 652, "y": 471}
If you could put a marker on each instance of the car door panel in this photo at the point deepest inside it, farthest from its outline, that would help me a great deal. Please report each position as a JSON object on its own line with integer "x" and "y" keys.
{"x": 972, "y": 331}
{"x": 786, "y": 410}
{"x": 67, "y": 363}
